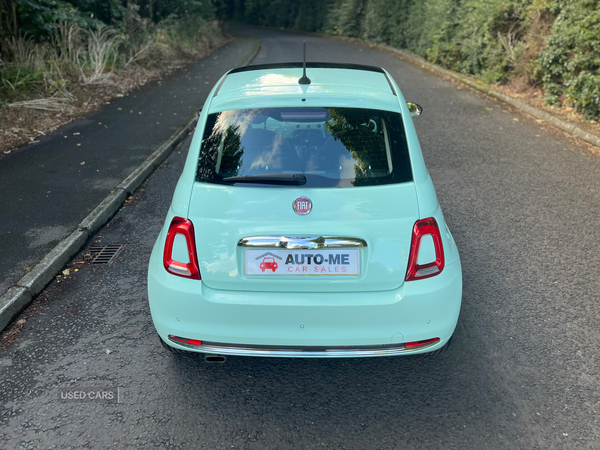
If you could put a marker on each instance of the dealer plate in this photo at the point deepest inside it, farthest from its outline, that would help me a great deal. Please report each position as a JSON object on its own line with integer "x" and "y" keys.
{"x": 302, "y": 262}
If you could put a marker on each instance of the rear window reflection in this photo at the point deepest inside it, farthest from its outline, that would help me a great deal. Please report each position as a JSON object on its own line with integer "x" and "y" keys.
{"x": 332, "y": 147}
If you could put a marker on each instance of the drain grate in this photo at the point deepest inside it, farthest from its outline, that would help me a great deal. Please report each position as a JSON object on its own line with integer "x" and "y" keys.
{"x": 105, "y": 254}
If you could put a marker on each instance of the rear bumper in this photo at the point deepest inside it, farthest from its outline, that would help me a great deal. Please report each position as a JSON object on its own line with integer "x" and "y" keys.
{"x": 295, "y": 324}
{"x": 305, "y": 352}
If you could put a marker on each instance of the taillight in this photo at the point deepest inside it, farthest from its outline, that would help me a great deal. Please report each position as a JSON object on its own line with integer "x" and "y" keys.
{"x": 417, "y": 271}
{"x": 416, "y": 344}
{"x": 187, "y": 341}
{"x": 189, "y": 268}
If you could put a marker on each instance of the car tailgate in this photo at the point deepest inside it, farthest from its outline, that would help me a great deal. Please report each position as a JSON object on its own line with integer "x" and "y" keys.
{"x": 242, "y": 236}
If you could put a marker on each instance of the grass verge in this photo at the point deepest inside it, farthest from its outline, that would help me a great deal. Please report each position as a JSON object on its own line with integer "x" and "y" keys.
{"x": 45, "y": 85}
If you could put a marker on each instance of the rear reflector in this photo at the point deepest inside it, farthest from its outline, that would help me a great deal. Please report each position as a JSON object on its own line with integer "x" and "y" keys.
{"x": 181, "y": 340}
{"x": 417, "y": 271}
{"x": 416, "y": 344}
{"x": 189, "y": 268}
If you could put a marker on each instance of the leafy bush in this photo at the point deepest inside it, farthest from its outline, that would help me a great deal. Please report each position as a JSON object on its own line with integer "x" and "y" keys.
{"x": 39, "y": 18}
{"x": 570, "y": 67}
{"x": 346, "y": 17}
{"x": 57, "y": 48}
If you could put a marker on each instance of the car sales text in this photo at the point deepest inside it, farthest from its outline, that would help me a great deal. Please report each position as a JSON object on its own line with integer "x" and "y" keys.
{"x": 301, "y": 263}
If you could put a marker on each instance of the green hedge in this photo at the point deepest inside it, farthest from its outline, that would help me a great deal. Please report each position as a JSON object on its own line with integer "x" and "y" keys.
{"x": 549, "y": 43}
{"x": 570, "y": 66}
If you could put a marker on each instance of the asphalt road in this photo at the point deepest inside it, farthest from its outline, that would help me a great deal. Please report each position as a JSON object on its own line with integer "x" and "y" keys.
{"x": 523, "y": 203}
{"x": 47, "y": 188}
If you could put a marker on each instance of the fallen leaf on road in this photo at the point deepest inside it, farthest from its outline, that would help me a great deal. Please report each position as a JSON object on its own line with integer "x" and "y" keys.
{"x": 82, "y": 163}
{"x": 76, "y": 134}
{"x": 21, "y": 322}
{"x": 66, "y": 272}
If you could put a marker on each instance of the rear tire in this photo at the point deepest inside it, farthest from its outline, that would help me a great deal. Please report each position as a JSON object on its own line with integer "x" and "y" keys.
{"x": 173, "y": 350}
{"x": 439, "y": 351}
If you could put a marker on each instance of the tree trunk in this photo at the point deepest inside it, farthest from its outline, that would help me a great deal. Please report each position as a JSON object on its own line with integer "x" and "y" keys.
{"x": 8, "y": 25}
{"x": 15, "y": 27}
{"x": 151, "y": 10}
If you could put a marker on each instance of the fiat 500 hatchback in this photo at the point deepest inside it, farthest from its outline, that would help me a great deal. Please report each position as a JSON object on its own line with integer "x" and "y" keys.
{"x": 305, "y": 223}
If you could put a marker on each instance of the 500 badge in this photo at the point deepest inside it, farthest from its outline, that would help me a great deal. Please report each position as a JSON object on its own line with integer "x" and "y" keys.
{"x": 302, "y": 262}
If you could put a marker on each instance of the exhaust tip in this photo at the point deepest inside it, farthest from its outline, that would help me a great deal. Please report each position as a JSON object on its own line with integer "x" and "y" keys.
{"x": 219, "y": 359}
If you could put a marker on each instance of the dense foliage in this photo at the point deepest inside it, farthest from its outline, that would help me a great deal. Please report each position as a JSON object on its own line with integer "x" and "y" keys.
{"x": 39, "y": 19}
{"x": 554, "y": 44}
{"x": 306, "y": 15}
{"x": 39, "y": 15}
{"x": 571, "y": 64}
{"x": 50, "y": 47}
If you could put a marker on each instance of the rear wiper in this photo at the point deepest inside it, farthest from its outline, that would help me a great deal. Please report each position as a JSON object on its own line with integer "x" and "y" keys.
{"x": 276, "y": 178}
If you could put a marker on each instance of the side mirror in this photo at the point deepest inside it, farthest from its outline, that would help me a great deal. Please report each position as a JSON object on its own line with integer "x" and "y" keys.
{"x": 414, "y": 109}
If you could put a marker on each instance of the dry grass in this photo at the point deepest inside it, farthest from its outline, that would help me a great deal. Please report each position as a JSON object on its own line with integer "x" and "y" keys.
{"x": 93, "y": 60}
{"x": 45, "y": 104}
{"x": 67, "y": 39}
{"x": 138, "y": 52}
{"x": 50, "y": 85}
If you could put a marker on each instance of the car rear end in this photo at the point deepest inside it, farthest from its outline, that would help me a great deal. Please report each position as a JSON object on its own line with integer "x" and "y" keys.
{"x": 305, "y": 224}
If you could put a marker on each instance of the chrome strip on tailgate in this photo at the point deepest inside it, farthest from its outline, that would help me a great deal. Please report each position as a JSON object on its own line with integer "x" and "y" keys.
{"x": 302, "y": 243}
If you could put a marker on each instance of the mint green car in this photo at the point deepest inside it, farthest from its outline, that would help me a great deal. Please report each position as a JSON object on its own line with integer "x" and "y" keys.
{"x": 305, "y": 223}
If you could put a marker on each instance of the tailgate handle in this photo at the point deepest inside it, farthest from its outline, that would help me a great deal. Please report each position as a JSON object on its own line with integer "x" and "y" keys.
{"x": 298, "y": 243}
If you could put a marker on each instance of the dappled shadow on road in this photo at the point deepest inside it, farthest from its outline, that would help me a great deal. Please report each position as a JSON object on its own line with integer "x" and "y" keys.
{"x": 449, "y": 393}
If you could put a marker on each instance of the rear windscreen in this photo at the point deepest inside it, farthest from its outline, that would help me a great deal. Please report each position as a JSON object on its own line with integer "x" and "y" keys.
{"x": 328, "y": 147}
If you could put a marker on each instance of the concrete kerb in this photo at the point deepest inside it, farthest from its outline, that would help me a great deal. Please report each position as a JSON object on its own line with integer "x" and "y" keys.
{"x": 15, "y": 299}
{"x": 102, "y": 213}
{"x": 30, "y": 285}
{"x": 43, "y": 272}
{"x": 570, "y": 128}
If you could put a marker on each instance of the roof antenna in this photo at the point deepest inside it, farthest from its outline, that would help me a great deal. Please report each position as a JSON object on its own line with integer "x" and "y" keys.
{"x": 304, "y": 79}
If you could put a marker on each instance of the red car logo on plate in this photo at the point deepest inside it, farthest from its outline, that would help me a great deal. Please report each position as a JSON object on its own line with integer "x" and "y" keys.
{"x": 268, "y": 263}
{"x": 302, "y": 205}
